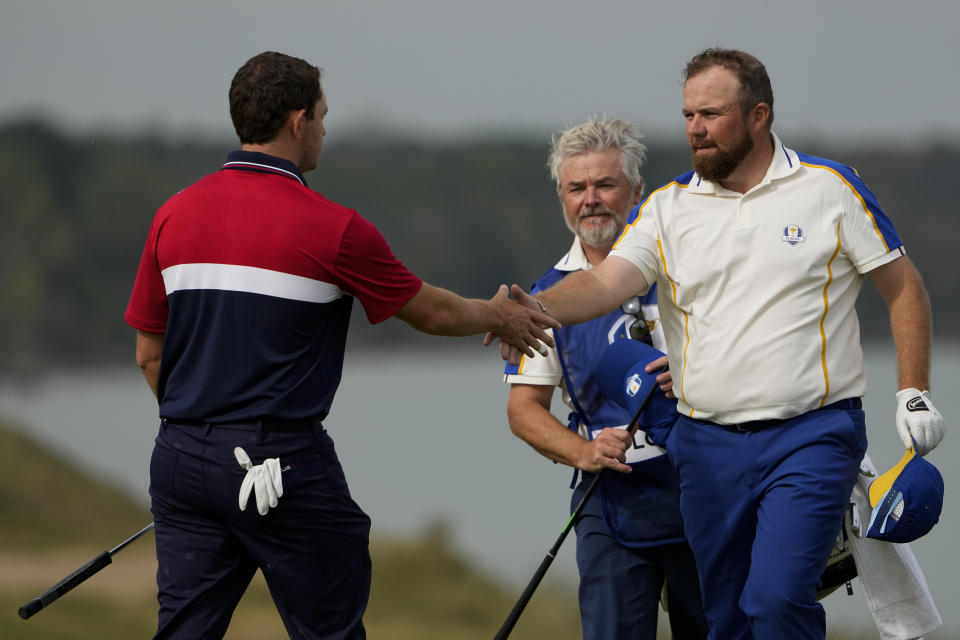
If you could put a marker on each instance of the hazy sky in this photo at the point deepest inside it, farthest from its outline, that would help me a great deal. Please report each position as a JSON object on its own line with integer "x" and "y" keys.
{"x": 840, "y": 69}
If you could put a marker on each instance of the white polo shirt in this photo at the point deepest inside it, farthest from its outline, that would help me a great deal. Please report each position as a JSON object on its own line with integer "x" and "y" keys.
{"x": 757, "y": 290}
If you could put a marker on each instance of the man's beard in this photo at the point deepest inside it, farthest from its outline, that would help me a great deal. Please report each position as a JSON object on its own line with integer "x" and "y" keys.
{"x": 600, "y": 236}
{"x": 720, "y": 164}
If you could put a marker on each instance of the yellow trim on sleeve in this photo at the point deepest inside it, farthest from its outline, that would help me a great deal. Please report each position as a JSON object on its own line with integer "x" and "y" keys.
{"x": 642, "y": 207}
{"x": 863, "y": 203}
{"x": 523, "y": 360}
{"x": 823, "y": 319}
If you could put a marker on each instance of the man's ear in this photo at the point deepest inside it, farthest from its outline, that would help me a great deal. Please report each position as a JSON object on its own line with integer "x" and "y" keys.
{"x": 760, "y": 115}
{"x": 638, "y": 193}
{"x": 297, "y": 122}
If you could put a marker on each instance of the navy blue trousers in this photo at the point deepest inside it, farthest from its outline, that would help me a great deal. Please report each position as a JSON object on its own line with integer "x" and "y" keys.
{"x": 620, "y": 586}
{"x": 312, "y": 548}
{"x": 761, "y": 511}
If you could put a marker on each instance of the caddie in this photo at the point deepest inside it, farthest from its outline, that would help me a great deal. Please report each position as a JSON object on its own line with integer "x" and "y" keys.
{"x": 630, "y": 542}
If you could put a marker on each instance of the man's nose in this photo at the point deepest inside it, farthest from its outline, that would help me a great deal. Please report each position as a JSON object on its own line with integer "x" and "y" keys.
{"x": 591, "y": 197}
{"x": 695, "y": 126}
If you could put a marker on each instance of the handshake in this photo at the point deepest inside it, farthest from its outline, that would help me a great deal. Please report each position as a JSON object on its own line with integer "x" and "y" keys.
{"x": 524, "y": 322}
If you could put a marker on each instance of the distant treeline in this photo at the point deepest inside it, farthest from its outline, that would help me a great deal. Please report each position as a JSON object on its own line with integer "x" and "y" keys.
{"x": 467, "y": 216}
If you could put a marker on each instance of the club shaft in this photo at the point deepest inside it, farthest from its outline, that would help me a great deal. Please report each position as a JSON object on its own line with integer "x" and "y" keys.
{"x": 521, "y": 604}
{"x": 126, "y": 542}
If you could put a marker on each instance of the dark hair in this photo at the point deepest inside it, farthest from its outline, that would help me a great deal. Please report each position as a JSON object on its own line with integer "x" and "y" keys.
{"x": 754, "y": 81}
{"x": 266, "y": 89}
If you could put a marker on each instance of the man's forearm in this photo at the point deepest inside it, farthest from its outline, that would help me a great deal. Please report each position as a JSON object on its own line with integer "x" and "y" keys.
{"x": 454, "y": 315}
{"x": 528, "y": 410}
{"x": 910, "y": 323}
{"x": 151, "y": 373}
{"x": 534, "y": 424}
{"x": 590, "y": 294}
{"x": 440, "y": 312}
{"x": 902, "y": 290}
{"x": 149, "y": 352}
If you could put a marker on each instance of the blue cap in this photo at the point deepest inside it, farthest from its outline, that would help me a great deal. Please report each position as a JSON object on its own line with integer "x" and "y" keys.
{"x": 621, "y": 377}
{"x": 906, "y": 500}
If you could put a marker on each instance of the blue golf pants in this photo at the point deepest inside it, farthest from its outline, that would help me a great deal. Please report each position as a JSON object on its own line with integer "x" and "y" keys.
{"x": 761, "y": 510}
{"x": 620, "y": 586}
{"x": 312, "y": 548}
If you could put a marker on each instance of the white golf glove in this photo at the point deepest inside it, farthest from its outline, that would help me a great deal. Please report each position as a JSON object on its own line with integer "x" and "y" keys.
{"x": 918, "y": 421}
{"x": 263, "y": 479}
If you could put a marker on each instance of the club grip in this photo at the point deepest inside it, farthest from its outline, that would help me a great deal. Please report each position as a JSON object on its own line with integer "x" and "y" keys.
{"x": 65, "y": 585}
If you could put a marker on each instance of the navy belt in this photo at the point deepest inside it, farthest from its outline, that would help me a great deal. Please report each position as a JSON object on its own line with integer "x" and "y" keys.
{"x": 263, "y": 425}
{"x": 760, "y": 425}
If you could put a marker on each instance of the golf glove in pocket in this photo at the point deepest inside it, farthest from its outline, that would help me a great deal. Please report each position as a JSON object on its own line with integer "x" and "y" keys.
{"x": 919, "y": 420}
{"x": 263, "y": 480}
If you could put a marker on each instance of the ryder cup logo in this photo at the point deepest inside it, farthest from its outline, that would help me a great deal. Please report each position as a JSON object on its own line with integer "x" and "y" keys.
{"x": 792, "y": 235}
{"x": 634, "y": 383}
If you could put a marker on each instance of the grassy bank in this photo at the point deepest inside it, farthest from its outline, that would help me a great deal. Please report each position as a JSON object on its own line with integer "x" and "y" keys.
{"x": 54, "y": 518}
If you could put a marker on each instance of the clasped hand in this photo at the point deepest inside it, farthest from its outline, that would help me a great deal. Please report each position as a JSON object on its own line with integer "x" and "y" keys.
{"x": 607, "y": 451}
{"x": 523, "y": 326}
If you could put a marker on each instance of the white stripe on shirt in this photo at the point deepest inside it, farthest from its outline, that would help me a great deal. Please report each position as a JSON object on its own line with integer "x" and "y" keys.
{"x": 232, "y": 277}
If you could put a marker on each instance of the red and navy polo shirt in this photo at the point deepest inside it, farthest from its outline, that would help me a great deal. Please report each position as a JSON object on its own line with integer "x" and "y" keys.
{"x": 251, "y": 276}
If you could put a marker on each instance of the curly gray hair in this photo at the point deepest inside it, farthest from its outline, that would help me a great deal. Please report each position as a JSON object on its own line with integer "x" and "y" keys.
{"x": 600, "y": 134}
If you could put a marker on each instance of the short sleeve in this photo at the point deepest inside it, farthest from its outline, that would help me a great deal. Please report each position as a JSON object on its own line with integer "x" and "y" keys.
{"x": 538, "y": 370}
{"x": 638, "y": 241}
{"x": 147, "y": 309}
{"x": 366, "y": 268}
{"x": 868, "y": 236}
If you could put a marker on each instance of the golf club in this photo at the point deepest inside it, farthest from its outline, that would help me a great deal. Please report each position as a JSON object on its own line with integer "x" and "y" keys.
{"x": 77, "y": 577}
{"x": 521, "y": 604}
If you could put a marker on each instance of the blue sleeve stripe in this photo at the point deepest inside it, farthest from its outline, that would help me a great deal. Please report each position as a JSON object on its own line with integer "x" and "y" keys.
{"x": 881, "y": 223}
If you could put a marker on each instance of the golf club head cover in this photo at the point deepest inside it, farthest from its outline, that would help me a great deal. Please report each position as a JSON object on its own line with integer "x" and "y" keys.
{"x": 263, "y": 480}
{"x": 622, "y": 378}
{"x": 919, "y": 424}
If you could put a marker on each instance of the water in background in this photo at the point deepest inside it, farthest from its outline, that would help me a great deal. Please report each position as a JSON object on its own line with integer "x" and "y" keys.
{"x": 423, "y": 437}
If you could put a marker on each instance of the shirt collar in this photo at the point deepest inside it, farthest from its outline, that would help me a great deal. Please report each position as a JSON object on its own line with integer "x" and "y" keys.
{"x": 263, "y": 163}
{"x": 784, "y": 163}
{"x": 575, "y": 260}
